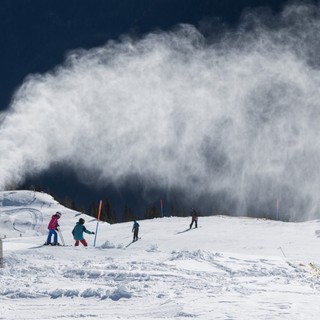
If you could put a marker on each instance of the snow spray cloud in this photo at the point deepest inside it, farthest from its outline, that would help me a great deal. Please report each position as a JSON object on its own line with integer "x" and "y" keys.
{"x": 235, "y": 119}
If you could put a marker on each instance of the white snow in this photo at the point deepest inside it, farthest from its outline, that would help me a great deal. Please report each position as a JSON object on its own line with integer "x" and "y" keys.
{"x": 228, "y": 268}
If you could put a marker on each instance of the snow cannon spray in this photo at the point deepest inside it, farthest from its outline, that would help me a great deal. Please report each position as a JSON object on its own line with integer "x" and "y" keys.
{"x": 245, "y": 100}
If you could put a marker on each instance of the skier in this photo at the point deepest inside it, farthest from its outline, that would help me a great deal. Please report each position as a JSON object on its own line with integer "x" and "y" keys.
{"x": 53, "y": 227}
{"x": 135, "y": 230}
{"x": 194, "y": 216}
{"x": 78, "y": 231}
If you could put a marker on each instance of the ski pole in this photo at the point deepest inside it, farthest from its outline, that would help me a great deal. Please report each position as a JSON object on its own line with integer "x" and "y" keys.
{"x": 282, "y": 252}
{"x": 60, "y": 234}
{"x": 1, "y": 254}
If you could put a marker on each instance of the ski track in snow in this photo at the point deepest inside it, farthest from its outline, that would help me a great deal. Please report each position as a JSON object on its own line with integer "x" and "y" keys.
{"x": 185, "y": 284}
{"x": 168, "y": 274}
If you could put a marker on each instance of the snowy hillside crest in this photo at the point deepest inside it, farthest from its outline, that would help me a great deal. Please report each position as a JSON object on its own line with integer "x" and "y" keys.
{"x": 26, "y": 213}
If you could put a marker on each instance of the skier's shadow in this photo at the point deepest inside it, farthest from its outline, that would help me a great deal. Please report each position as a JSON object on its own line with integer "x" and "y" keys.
{"x": 129, "y": 244}
{"x": 183, "y": 231}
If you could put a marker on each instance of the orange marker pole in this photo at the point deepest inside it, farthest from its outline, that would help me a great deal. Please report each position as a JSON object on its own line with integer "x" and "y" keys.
{"x": 99, "y": 213}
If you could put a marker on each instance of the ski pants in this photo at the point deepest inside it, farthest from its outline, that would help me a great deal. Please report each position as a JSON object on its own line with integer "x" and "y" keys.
{"x": 83, "y": 241}
{"x": 196, "y": 223}
{"x": 135, "y": 234}
{"x": 53, "y": 233}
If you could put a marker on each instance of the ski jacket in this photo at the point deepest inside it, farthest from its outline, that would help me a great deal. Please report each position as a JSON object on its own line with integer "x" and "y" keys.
{"x": 194, "y": 216}
{"x": 53, "y": 224}
{"x": 135, "y": 226}
{"x": 78, "y": 231}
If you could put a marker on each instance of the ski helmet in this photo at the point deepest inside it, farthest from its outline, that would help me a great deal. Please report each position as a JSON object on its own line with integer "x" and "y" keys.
{"x": 81, "y": 221}
{"x": 58, "y": 213}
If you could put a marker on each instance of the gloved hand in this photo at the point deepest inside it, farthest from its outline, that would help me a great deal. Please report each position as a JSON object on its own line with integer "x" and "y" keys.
{"x": 92, "y": 232}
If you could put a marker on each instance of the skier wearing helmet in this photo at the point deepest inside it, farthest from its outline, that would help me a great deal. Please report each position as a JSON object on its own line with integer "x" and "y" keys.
{"x": 78, "y": 231}
{"x": 53, "y": 227}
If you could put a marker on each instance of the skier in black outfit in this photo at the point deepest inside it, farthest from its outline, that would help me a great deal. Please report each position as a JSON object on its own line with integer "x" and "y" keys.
{"x": 135, "y": 230}
{"x": 194, "y": 215}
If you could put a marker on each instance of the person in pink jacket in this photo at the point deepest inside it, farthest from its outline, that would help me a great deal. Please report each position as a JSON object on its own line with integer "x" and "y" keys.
{"x": 53, "y": 227}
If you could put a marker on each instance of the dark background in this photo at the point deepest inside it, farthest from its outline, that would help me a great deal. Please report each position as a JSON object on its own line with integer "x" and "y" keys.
{"x": 35, "y": 36}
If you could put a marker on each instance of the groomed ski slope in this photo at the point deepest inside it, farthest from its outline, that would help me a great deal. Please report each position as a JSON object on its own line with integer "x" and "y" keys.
{"x": 229, "y": 268}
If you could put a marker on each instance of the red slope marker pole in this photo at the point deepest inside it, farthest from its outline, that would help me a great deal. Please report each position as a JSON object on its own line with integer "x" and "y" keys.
{"x": 161, "y": 205}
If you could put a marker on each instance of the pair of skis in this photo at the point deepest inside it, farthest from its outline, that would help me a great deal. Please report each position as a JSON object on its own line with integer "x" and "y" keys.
{"x": 61, "y": 236}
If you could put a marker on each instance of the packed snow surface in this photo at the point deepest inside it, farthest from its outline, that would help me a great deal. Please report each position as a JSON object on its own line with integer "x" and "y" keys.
{"x": 227, "y": 268}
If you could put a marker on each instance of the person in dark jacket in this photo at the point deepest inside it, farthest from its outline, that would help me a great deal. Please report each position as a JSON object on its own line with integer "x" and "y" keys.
{"x": 135, "y": 230}
{"x": 53, "y": 227}
{"x": 78, "y": 231}
{"x": 194, "y": 218}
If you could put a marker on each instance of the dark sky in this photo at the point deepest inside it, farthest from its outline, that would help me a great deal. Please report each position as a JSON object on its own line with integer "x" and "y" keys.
{"x": 35, "y": 36}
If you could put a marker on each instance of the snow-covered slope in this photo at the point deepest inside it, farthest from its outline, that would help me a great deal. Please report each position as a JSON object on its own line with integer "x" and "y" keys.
{"x": 228, "y": 268}
{"x": 26, "y": 213}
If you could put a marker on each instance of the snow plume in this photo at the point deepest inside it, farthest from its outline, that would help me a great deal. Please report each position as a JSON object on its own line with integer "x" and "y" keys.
{"x": 234, "y": 120}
